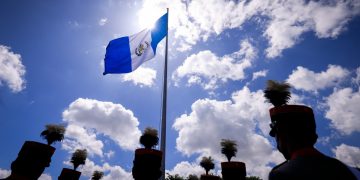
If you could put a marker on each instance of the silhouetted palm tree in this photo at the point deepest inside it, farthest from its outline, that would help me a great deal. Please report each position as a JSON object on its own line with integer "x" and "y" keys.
{"x": 53, "y": 133}
{"x": 277, "y": 93}
{"x": 228, "y": 148}
{"x": 97, "y": 175}
{"x": 207, "y": 163}
{"x": 78, "y": 158}
{"x": 149, "y": 139}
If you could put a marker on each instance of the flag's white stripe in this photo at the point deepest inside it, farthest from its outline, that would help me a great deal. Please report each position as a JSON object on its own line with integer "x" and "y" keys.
{"x": 139, "y": 56}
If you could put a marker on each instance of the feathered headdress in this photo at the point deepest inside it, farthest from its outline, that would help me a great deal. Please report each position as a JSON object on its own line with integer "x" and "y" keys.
{"x": 277, "y": 93}
{"x": 298, "y": 116}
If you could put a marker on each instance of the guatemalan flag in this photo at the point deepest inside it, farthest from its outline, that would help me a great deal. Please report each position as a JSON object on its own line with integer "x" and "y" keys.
{"x": 125, "y": 54}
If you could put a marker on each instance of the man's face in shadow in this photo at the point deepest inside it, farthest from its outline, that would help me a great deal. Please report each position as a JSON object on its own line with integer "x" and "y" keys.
{"x": 282, "y": 144}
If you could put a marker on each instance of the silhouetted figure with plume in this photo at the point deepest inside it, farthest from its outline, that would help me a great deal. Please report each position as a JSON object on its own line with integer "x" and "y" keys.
{"x": 294, "y": 128}
{"x": 147, "y": 161}
{"x": 78, "y": 158}
{"x": 34, "y": 157}
{"x": 97, "y": 175}
{"x": 231, "y": 170}
{"x": 208, "y": 164}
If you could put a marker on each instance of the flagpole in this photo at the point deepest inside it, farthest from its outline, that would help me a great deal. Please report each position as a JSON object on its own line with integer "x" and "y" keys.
{"x": 164, "y": 100}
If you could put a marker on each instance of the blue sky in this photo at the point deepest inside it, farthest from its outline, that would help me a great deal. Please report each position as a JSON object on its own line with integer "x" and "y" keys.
{"x": 220, "y": 55}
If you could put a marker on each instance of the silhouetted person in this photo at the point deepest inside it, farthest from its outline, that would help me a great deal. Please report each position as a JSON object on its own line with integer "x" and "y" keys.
{"x": 294, "y": 128}
{"x": 31, "y": 162}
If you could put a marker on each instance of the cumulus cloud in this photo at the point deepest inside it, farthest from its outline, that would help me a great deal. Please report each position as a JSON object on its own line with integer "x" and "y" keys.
{"x": 343, "y": 110}
{"x": 88, "y": 117}
{"x": 284, "y": 21}
{"x": 45, "y": 177}
{"x": 356, "y": 80}
{"x": 12, "y": 70}
{"x": 110, "y": 172}
{"x": 197, "y": 20}
{"x": 305, "y": 79}
{"x": 5, "y": 173}
{"x": 237, "y": 119}
{"x": 77, "y": 137}
{"x": 209, "y": 70}
{"x": 348, "y": 154}
{"x": 102, "y": 21}
{"x": 141, "y": 76}
{"x": 184, "y": 169}
{"x": 183, "y": 47}
{"x": 290, "y": 19}
{"x": 258, "y": 74}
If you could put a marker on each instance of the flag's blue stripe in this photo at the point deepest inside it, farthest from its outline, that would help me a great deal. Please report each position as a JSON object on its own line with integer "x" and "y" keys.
{"x": 118, "y": 56}
{"x": 159, "y": 31}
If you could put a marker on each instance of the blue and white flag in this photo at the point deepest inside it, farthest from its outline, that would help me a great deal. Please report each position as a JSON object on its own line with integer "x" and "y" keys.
{"x": 125, "y": 54}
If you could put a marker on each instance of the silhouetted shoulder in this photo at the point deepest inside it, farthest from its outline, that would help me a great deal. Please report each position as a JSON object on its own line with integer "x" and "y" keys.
{"x": 276, "y": 174}
{"x": 311, "y": 168}
{"x": 279, "y": 165}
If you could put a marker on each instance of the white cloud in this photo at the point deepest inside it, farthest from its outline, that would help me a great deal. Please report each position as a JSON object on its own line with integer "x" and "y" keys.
{"x": 184, "y": 169}
{"x": 236, "y": 119}
{"x": 45, "y": 177}
{"x": 112, "y": 120}
{"x": 77, "y": 137}
{"x": 110, "y": 172}
{"x": 305, "y": 79}
{"x": 102, "y": 21}
{"x": 197, "y": 20}
{"x": 290, "y": 19}
{"x": 141, "y": 76}
{"x": 116, "y": 172}
{"x": 356, "y": 80}
{"x": 348, "y": 154}
{"x": 330, "y": 20}
{"x": 12, "y": 70}
{"x": 110, "y": 154}
{"x": 5, "y": 173}
{"x": 343, "y": 110}
{"x": 209, "y": 70}
{"x": 258, "y": 74}
{"x": 183, "y": 47}
{"x": 283, "y": 21}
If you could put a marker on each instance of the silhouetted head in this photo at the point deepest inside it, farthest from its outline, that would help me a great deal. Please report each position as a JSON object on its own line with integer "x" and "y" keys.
{"x": 294, "y": 127}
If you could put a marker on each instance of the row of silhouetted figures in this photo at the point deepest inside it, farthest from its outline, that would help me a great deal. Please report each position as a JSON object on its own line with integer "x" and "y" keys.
{"x": 292, "y": 126}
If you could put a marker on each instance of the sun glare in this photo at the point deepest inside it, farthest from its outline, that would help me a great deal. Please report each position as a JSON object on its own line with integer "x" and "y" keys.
{"x": 147, "y": 17}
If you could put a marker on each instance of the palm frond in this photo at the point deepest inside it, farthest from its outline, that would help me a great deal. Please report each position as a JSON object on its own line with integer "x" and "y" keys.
{"x": 207, "y": 163}
{"x": 228, "y": 148}
{"x": 53, "y": 133}
{"x": 149, "y": 138}
{"x": 78, "y": 158}
{"x": 97, "y": 175}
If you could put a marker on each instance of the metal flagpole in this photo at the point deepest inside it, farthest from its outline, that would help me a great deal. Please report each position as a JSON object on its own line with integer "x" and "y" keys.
{"x": 164, "y": 98}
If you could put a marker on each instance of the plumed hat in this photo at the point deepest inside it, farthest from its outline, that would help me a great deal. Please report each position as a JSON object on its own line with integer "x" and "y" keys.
{"x": 295, "y": 118}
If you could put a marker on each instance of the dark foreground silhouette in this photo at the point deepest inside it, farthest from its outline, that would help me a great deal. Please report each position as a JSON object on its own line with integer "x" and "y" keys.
{"x": 294, "y": 129}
